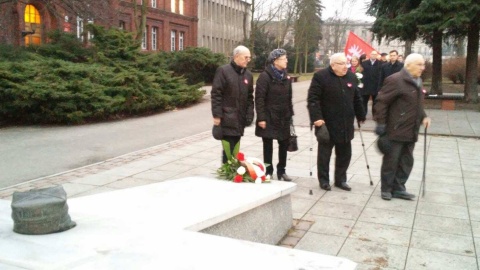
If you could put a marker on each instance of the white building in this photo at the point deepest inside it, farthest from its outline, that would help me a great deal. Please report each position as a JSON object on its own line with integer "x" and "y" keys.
{"x": 221, "y": 24}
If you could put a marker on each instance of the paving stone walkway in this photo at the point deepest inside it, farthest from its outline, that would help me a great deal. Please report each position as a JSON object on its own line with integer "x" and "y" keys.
{"x": 438, "y": 231}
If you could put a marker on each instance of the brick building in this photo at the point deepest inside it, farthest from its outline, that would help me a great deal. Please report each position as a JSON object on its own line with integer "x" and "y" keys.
{"x": 170, "y": 24}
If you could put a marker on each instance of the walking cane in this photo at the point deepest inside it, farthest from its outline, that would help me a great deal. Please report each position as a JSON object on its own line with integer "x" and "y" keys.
{"x": 424, "y": 160}
{"x": 365, "y": 153}
{"x": 311, "y": 150}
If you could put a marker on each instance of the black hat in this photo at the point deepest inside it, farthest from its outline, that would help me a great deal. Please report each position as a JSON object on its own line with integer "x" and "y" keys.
{"x": 217, "y": 132}
{"x": 276, "y": 54}
{"x": 384, "y": 144}
{"x": 322, "y": 134}
{"x": 383, "y": 54}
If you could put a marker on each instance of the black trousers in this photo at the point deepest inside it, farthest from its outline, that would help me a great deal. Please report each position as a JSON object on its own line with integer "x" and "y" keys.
{"x": 343, "y": 155}
{"x": 268, "y": 154}
{"x": 365, "y": 102}
{"x": 397, "y": 166}
{"x": 233, "y": 140}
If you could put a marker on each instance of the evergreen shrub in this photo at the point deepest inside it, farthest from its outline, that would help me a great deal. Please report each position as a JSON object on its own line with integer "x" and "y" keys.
{"x": 195, "y": 64}
{"x": 117, "y": 80}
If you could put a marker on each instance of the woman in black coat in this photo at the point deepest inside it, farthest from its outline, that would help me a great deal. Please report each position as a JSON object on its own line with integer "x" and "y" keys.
{"x": 273, "y": 104}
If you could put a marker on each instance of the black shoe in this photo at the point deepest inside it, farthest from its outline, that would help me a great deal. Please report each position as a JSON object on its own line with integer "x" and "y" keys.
{"x": 343, "y": 186}
{"x": 403, "y": 195}
{"x": 284, "y": 177}
{"x": 386, "y": 196}
{"x": 326, "y": 187}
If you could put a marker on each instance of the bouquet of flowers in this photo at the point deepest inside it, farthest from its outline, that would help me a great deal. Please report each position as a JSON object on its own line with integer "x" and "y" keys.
{"x": 239, "y": 168}
{"x": 359, "y": 78}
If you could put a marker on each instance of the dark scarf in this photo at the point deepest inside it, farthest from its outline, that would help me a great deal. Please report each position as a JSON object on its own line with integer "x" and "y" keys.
{"x": 279, "y": 74}
{"x": 237, "y": 68}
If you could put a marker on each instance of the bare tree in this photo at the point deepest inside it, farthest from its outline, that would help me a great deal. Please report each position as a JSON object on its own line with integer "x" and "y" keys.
{"x": 262, "y": 12}
{"x": 336, "y": 26}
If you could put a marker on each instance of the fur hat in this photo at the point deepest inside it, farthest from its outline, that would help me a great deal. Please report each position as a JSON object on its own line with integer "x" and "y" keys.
{"x": 322, "y": 134}
{"x": 383, "y": 143}
{"x": 276, "y": 54}
{"x": 217, "y": 132}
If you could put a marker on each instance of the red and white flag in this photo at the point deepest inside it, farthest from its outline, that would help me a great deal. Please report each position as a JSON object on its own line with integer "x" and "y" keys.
{"x": 356, "y": 46}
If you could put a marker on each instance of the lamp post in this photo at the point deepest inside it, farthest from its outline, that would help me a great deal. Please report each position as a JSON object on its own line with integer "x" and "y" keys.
{"x": 33, "y": 27}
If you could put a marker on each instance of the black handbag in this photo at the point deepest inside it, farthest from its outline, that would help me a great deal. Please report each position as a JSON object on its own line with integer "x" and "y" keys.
{"x": 292, "y": 141}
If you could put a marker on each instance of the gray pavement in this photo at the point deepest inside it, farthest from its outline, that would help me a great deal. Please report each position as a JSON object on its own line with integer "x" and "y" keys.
{"x": 438, "y": 231}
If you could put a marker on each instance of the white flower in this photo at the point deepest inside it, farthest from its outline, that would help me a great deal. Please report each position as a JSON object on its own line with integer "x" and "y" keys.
{"x": 359, "y": 75}
{"x": 258, "y": 180}
{"x": 360, "y": 85}
{"x": 241, "y": 170}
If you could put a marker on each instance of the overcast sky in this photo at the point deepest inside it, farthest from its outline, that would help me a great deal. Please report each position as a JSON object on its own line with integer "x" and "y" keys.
{"x": 346, "y": 9}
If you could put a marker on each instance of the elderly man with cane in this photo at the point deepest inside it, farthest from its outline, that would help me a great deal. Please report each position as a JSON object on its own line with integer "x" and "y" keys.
{"x": 334, "y": 101}
{"x": 399, "y": 113}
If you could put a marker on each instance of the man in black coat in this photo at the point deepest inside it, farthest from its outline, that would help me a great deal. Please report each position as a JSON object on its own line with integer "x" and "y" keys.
{"x": 371, "y": 76}
{"x": 399, "y": 113}
{"x": 389, "y": 68}
{"x": 232, "y": 97}
{"x": 334, "y": 100}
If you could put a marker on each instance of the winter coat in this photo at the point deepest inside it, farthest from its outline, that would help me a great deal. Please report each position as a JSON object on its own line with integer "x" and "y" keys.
{"x": 232, "y": 98}
{"x": 337, "y": 101}
{"x": 399, "y": 105}
{"x": 273, "y": 104}
{"x": 388, "y": 69}
{"x": 371, "y": 76}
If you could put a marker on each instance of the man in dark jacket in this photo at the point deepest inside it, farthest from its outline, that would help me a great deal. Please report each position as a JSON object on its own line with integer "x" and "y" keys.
{"x": 399, "y": 113}
{"x": 334, "y": 100}
{"x": 389, "y": 68}
{"x": 371, "y": 75}
{"x": 232, "y": 97}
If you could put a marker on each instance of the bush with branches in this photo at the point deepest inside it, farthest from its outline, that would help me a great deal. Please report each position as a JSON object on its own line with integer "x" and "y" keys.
{"x": 116, "y": 80}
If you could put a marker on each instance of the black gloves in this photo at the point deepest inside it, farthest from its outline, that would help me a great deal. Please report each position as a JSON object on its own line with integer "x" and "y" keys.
{"x": 361, "y": 119}
{"x": 249, "y": 122}
{"x": 380, "y": 129}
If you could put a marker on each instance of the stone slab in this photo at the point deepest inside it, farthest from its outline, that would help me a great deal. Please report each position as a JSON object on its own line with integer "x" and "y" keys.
{"x": 156, "y": 227}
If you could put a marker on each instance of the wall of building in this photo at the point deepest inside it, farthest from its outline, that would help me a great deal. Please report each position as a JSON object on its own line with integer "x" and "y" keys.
{"x": 221, "y": 24}
{"x": 112, "y": 13}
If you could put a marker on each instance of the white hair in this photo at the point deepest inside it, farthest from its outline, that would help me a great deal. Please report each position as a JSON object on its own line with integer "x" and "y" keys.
{"x": 240, "y": 49}
{"x": 412, "y": 58}
{"x": 334, "y": 57}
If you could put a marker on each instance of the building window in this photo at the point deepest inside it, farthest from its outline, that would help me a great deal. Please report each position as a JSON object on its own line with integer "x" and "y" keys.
{"x": 121, "y": 25}
{"x": 32, "y": 23}
{"x": 154, "y": 3}
{"x": 180, "y": 41}
{"x": 80, "y": 28}
{"x": 180, "y": 6}
{"x": 172, "y": 4}
{"x": 173, "y": 33}
{"x": 154, "y": 38}
{"x": 144, "y": 39}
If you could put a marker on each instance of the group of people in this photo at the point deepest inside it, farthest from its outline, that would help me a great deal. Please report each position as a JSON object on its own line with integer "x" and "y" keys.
{"x": 336, "y": 97}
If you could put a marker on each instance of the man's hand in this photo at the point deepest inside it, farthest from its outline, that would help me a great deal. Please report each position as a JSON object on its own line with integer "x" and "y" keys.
{"x": 217, "y": 121}
{"x": 380, "y": 129}
{"x": 262, "y": 124}
{"x": 426, "y": 122}
{"x": 319, "y": 123}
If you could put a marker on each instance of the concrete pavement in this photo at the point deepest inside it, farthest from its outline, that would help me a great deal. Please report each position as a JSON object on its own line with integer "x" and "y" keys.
{"x": 438, "y": 231}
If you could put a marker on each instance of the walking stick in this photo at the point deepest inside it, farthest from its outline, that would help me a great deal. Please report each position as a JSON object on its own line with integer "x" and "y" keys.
{"x": 424, "y": 160}
{"x": 365, "y": 153}
{"x": 311, "y": 150}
